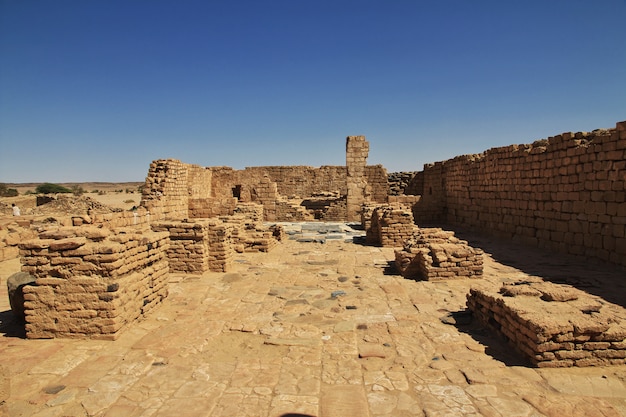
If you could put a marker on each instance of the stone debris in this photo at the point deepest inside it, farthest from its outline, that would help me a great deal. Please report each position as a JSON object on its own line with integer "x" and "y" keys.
{"x": 554, "y": 325}
{"x": 387, "y": 225}
{"x": 73, "y": 205}
{"x": 435, "y": 254}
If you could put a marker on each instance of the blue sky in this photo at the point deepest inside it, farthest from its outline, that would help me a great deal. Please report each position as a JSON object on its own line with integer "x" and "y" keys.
{"x": 95, "y": 90}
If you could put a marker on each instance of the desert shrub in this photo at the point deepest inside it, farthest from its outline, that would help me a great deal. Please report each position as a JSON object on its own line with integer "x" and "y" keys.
{"x": 7, "y": 192}
{"x": 77, "y": 190}
{"x": 49, "y": 188}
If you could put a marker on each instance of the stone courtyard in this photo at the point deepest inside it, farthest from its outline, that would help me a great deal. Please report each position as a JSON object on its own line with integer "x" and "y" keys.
{"x": 493, "y": 285}
{"x": 316, "y": 329}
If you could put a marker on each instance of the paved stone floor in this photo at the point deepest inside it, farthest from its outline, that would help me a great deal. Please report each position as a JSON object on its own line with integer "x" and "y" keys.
{"x": 312, "y": 329}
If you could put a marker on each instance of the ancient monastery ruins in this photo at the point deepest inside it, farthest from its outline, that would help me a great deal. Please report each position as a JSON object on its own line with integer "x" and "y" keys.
{"x": 565, "y": 194}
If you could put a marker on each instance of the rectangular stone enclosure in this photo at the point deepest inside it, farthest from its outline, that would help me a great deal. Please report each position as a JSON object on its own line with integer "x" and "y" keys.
{"x": 91, "y": 282}
{"x": 554, "y": 325}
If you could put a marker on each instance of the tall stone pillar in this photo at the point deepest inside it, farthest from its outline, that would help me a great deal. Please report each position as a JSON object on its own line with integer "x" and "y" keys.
{"x": 357, "y": 149}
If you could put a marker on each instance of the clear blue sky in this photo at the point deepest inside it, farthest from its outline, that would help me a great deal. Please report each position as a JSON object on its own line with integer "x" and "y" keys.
{"x": 95, "y": 90}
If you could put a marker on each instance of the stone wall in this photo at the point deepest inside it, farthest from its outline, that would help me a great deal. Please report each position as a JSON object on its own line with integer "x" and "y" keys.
{"x": 200, "y": 245}
{"x": 436, "y": 254}
{"x": 91, "y": 282}
{"x": 178, "y": 191}
{"x": 188, "y": 251}
{"x": 166, "y": 191}
{"x": 554, "y": 325}
{"x": 566, "y": 193}
{"x": 357, "y": 149}
{"x": 391, "y": 225}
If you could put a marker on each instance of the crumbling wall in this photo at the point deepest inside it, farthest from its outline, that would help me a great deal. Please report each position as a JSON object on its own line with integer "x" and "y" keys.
{"x": 436, "y": 254}
{"x": 391, "y": 225}
{"x": 178, "y": 191}
{"x": 166, "y": 190}
{"x": 566, "y": 193}
{"x": 554, "y": 325}
{"x": 91, "y": 282}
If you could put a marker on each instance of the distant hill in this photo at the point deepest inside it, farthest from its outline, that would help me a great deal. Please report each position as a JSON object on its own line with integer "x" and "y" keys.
{"x": 87, "y": 186}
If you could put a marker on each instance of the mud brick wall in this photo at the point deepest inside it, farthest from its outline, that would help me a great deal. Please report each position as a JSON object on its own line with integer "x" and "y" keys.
{"x": 554, "y": 325}
{"x": 188, "y": 251}
{"x": 566, "y": 193}
{"x": 92, "y": 282}
{"x": 391, "y": 225}
{"x": 436, "y": 254}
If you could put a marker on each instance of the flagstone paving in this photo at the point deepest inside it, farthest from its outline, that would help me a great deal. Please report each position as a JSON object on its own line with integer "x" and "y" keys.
{"x": 310, "y": 329}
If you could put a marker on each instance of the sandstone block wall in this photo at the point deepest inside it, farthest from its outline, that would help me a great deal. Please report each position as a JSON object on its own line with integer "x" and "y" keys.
{"x": 92, "y": 282}
{"x": 221, "y": 245}
{"x": 566, "y": 193}
{"x": 10, "y": 237}
{"x": 391, "y": 225}
{"x": 554, "y": 325}
{"x": 166, "y": 191}
{"x": 357, "y": 149}
{"x": 199, "y": 245}
{"x": 435, "y": 254}
{"x": 177, "y": 191}
{"x": 188, "y": 251}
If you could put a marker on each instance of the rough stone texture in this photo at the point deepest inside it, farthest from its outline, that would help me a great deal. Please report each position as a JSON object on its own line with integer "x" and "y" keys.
{"x": 201, "y": 245}
{"x": 10, "y": 236}
{"x": 15, "y": 289}
{"x": 435, "y": 254}
{"x": 177, "y": 191}
{"x": 357, "y": 149}
{"x": 268, "y": 339}
{"x": 188, "y": 250}
{"x": 554, "y": 325}
{"x": 566, "y": 193}
{"x": 399, "y": 181}
{"x": 391, "y": 225}
{"x": 91, "y": 282}
{"x": 5, "y": 384}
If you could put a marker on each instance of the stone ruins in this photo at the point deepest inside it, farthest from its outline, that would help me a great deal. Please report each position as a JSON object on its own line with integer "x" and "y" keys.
{"x": 102, "y": 271}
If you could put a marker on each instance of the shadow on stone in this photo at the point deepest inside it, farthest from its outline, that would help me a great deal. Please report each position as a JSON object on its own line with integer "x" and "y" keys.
{"x": 495, "y": 345}
{"x": 591, "y": 275}
{"x": 296, "y": 415}
{"x": 10, "y": 326}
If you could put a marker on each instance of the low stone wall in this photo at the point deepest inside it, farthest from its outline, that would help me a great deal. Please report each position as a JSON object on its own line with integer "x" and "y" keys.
{"x": 554, "y": 325}
{"x": 435, "y": 254}
{"x": 391, "y": 225}
{"x": 201, "y": 245}
{"x": 10, "y": 237}
{"x": 91, "y": 282}
{"x": 188, "y": 251}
